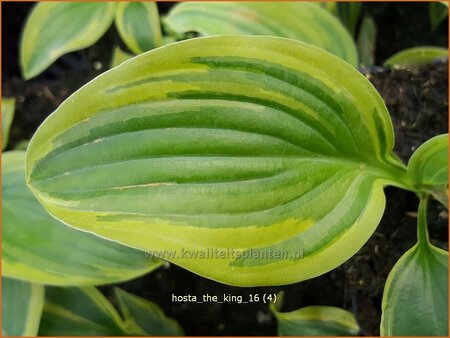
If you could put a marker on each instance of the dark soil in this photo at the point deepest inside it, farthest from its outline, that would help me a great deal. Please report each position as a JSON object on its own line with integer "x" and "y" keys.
{"x": 418, "y": 104}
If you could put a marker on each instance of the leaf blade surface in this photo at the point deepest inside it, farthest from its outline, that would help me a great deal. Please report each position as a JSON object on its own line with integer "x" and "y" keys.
{"x": 39, "y": 248}
{"x": 56, "y": 28}
{"x": 223, "y": 143}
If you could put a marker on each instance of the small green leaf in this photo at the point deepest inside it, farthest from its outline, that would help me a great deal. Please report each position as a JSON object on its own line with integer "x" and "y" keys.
{"x": 250, "y": 160}
{"x": 428, "y": 166}
{"x": 37, "y": 247}
{"x": 144, "y": 317}
{"x": 22, "y": 304}
{"x": 316, "y": 321}
{"x": 416, "y": 57}
{"x": 438, "y": 12}
{"x": 138, "y": 25}
{"x": 8, "y": 107}
{"x": 303, "y": 21}
{"x": 366, "y": 41}
{"x": 79, "y": 312}
{"x": 119, "y": 56}
{"x": 56, "y": 28}
{"x": 415, "y": 299}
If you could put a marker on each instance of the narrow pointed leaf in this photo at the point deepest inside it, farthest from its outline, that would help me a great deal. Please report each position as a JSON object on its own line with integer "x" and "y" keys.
{"x": 428, "y": 165}
{"x": 138, "y": 25}
{"x": 79, "y": 312}
{"x": 56, "y": 28}
{"x": 8, "y": 107}
{"x": 416, "y": 57}
{"x": 143, "y": 316}
{"x": 22, "y": 304}
{"x": 37, "y": 247}
{"x": 249, "y": 160}
{"x": 316, "y": 321}
{"x": 303, "y": 21}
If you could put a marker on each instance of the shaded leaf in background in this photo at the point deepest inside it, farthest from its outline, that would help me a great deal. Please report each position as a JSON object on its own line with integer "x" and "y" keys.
{"x": 87, "y": 312}
{"x": 56, "y": 28}
{"x": 37, "y": 247}
{"x": 437, "y": 12}
{"x": 303, "y": 21}
{"x": 349, "y": 14}
{"x": 22, "y": 304}
{"x": 415, "y": 298}
{"x": 316, "y": 321}
{"x": 79, "y": 312}
{"x": 367, "y": 41}
{"x": 119, "y": 56}
{"x": 8, "y": 107}
{"x": 254, "y": 144}
{"x": 138, "y": 25}
{"x": 416, "y": 57}
{"x": 145, "y": 317}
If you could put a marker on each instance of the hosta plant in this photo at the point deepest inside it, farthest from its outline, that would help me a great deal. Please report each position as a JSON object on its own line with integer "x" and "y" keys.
{"x": 256, "y": 144}
{"x": 57, "y": 28}
{"x": 248, "y": 160}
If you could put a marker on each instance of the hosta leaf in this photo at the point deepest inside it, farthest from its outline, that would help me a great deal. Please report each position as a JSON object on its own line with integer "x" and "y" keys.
{"x": 316, "y": 321}
{"x": 56, "y": 28}
{"x": 307, "y": 22}
{"x": 144, "y": 317}
{"x": 138, "y": 25}
{"x": 37, "y": 247}
{"x": 79, "y": 312}
{"x": 429, "y": 164}
{"x": 8, "y": 107}
{"x": 416, "y": 57}
{"x": 250, "y": 160}
{"x": 119, "y": 56}
{"x": 415, "y": 299}
{"x": 22, "y": 304}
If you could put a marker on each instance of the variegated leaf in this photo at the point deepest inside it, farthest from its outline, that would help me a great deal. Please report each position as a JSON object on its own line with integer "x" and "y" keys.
{"x": 303, "y": 21}
{"x": 249, "y": 160}
{"x": 138, "y": 25}
{"x": 58, "y": 27}
{"x": 36, "y": 247}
